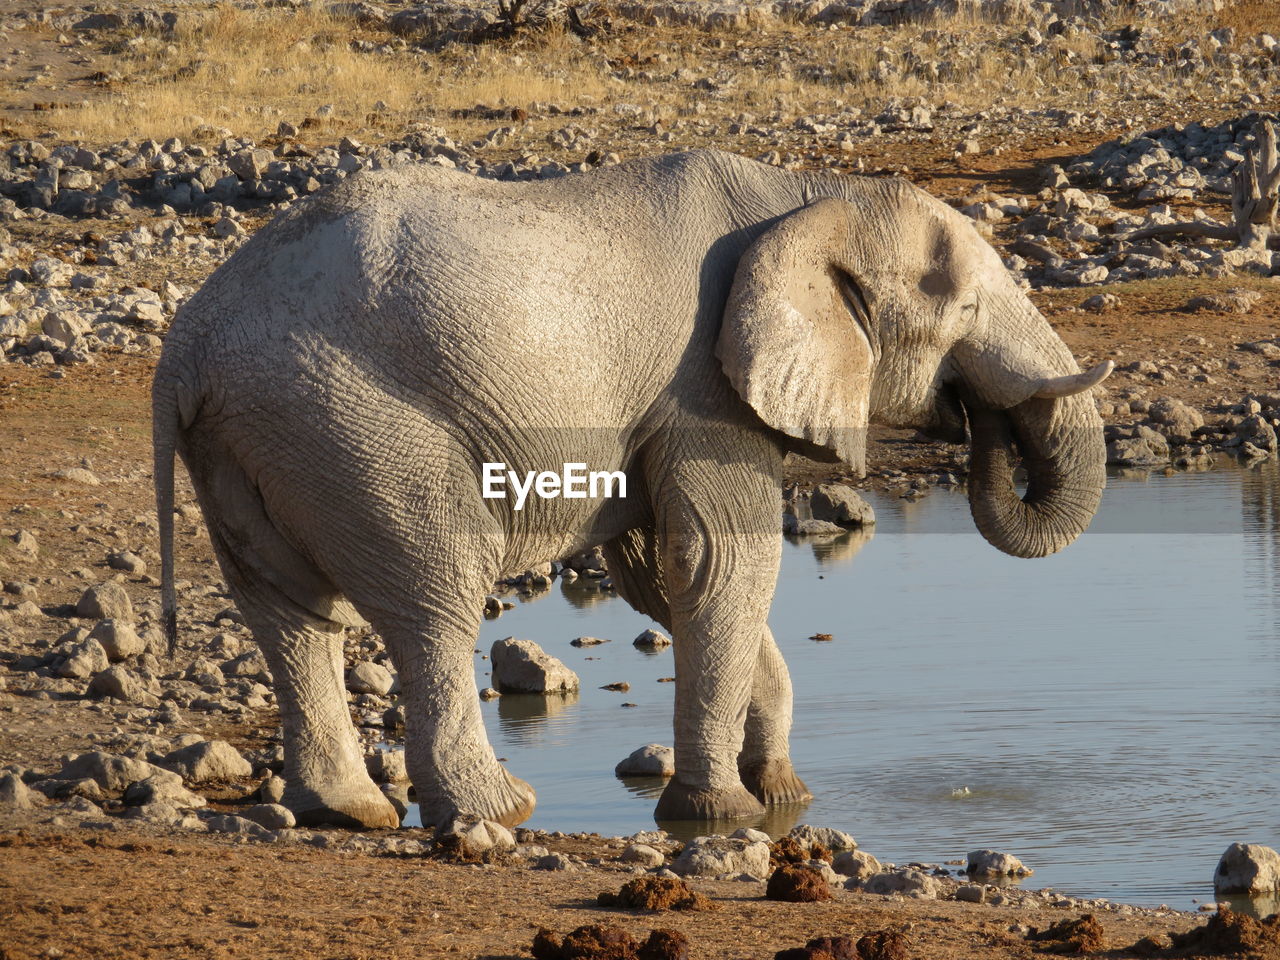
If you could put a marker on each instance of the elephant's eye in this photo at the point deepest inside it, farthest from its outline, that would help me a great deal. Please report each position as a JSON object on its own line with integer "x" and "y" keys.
{"x": 857, "y": 302}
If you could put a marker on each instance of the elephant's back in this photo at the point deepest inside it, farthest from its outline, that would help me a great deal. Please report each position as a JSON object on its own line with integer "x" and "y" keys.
{"x": 437, "y": 283}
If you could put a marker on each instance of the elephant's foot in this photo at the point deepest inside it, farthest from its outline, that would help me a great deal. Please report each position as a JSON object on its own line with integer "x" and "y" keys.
{"x": 774, "y": 781}
{"x": 504, "y": 799}
{"x": 680, "y": 802}
{"x": 358, "y": 806}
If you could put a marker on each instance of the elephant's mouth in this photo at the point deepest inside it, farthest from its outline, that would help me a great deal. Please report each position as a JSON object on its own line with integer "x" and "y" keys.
{"x": 949, "y": 419}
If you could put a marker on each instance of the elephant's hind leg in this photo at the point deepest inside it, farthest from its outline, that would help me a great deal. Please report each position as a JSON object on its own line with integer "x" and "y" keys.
{"x": 451, "y": 762}
{"x": 296, "y": 617}
{"x": 765, "y": 762}
{"x": 422, "y": 586}
{"x": 324, "y": 771}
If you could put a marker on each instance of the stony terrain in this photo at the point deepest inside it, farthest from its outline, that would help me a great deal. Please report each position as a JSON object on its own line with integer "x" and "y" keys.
{"x": 143, "y": 143}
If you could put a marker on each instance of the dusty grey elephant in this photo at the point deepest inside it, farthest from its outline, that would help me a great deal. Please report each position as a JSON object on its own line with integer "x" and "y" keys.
{"x": 335, "y": 388}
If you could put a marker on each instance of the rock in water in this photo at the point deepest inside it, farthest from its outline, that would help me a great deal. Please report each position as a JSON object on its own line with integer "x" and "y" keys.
{"x": 651, "y": 760}
{"x": 991, "y": 863}
{"x": 838, "y": 503}
{"x": 1247, "y": 868}
{"x": 651, "y": 640}
{"x": 521, "y": 666}
{"x": 387, "y": 766}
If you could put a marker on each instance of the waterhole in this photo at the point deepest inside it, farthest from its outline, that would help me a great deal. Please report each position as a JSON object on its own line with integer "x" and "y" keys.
{"x": 1110, "y": 715}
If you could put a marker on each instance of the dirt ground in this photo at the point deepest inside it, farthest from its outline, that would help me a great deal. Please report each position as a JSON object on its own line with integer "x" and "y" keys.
{"x": 107, "y": 897}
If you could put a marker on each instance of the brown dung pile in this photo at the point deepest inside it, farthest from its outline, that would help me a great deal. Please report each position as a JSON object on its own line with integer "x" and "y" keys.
{"x": 797, "y": 885}
{"x": 655, "y": 893}
{"x": 597, "y": 942}
{"x": 1082, "y": 935}
{"x": 878, "y": 945}
{"x": 1230, "y": 934}
{"x": 791, "y": 850}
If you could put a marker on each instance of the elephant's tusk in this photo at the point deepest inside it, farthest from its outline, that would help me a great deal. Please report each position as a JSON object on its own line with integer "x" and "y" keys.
{"x": 1052, "y": 388}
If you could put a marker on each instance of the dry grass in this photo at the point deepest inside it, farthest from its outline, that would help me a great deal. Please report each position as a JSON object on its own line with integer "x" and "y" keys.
{"x": 246, "y": 70}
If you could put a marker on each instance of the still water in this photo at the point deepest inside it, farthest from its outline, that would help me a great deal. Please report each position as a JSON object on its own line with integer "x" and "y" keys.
{"x": 1111, "y": 714}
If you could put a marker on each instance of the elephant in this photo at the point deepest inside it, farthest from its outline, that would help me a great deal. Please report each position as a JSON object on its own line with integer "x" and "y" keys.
{"x": 336, "y": 387}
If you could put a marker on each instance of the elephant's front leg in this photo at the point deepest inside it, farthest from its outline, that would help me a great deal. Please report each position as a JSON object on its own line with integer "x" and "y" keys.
{"x": 720, "y": 546}
{"x": 765, "y": 761}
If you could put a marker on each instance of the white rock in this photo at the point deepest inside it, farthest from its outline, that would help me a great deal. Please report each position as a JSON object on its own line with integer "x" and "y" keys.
{"x": 715, "y": 856}
{"x": 903, "y": 881}
{"x": 387, "y": 766}
{"x": 272, "y": 790}
{"x": 856, "y": 864}
{"x": 1247, "y": 868}
{"x": 754, "y": 836}
{"x": 651, "y": 760}
{"x": 118, "y": 638}
{"x": 643, "y": 854}
{"x": 14, "y": 794}
{"x": 521, "y": 666}
{"x": 476, "y": 837}
{"x": 120, "y": 682}
{"x": 366, "y": 677}
{"x": 831, "y": 839}
{"x": 226, "y": 823}
{"x": 105, "y": 601}
{"x": 271, "y": 815}
{"x": 110, "y": 772}
{"x": 208, "y": 760}
{"x": 652, "y": 640}
{"x": 162, "y": 788}
{"x": 991, "y": 863}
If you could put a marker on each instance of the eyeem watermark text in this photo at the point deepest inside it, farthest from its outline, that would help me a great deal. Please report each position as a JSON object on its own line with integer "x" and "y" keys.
{"x": 575, "y": 482}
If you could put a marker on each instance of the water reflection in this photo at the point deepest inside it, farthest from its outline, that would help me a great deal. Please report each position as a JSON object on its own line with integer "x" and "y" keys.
{"x": 776, "y": 821}
{"x": 648, "y": 788}
{"x": 522, "y": 716}
{"x": 1259, "y": 907}
{"x": 834, "y": 550}
{"x": 584, "y": 593}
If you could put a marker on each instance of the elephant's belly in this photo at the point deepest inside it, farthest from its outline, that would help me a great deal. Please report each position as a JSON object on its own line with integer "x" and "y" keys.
{"x": 553, "y": 528}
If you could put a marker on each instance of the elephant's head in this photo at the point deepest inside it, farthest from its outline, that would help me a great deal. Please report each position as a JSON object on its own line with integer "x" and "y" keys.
{"x": 887, "y": 306}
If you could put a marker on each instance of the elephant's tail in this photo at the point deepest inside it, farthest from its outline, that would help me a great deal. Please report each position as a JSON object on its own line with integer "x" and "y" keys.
{"x": 173, "y": 407}
{"x": 164, "y": 431}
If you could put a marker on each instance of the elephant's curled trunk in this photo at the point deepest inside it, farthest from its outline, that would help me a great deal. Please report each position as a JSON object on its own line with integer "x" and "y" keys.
{"x": 1060, "y": 444}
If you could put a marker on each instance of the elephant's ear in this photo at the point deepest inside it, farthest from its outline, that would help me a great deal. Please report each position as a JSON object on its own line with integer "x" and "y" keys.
{"x": 792, "y": 342}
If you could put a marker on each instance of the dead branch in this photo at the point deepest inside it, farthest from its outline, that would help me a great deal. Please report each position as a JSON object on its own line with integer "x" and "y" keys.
{"x": 1255, "y": 199}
